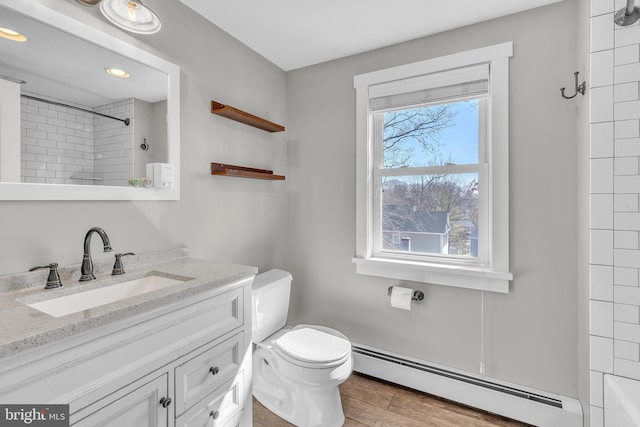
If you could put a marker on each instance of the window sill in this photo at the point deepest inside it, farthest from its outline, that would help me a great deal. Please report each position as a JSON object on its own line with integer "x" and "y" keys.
{"x": 447, "y": 275}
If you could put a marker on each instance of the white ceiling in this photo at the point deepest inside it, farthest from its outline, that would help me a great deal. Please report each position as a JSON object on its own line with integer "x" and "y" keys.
{"x": 296, "y": 33}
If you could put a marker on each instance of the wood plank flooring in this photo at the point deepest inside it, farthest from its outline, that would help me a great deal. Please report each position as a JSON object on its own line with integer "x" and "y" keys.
{"x": 370, "y": 402}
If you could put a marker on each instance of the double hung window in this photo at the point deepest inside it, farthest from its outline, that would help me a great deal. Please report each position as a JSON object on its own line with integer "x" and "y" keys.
{"x": 432, "y": 171}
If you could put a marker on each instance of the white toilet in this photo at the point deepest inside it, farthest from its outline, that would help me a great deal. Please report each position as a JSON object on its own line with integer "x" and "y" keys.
{"x": 296, "y": 371}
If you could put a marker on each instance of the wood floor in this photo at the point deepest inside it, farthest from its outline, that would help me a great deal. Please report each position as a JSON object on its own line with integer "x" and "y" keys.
{"x": 370, "y": 402}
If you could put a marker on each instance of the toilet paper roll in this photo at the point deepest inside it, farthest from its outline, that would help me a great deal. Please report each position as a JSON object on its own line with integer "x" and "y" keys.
{"x": 401, "y": 297}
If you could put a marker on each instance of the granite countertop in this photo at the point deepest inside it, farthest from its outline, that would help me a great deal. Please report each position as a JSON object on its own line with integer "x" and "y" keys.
{"x": 25, "y": 328}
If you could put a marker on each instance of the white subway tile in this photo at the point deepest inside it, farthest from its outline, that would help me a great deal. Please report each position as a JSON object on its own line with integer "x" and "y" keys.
{"x": 626, "y": 73}
{"x": 625, "y": 92}
{"x": 627, "y": 332}
{"x": 47, "y": 128}
{"x": 626, "y": 313}
{"x": 625, "y": 276}
{"x": 601, "y": 32}
{"x": 602, "y": 68}
{"x": 627, "y": 55}
{"x": 601, "y": 248}
{"x": 626, "y": 184}
{"x": 601, "y": 105}
{"x": 625, "y": 166}
{"x": 627, "y": 147}
{"x": 626, "y": 35}
{"x": 596, "y": 388}
{"x": 601, "y": 282}
{"x": 625, "y": 239}
{"x": 43, "y": 173}
{"x": 601, "y": 208}
{"x": 626, "y": 221}
{"x": 36, "y": 150}
{"x": 46, "y": 112}
{"x": 602, "y": 176}
{"x": 601, "y": 350}
{"x": 626, "y": 110}
{"x": 627, "y": 368}
{"x": 596, "y": 416}
{"x": 600, "y": 7}
{"x": 624, "y": 258}
{"x": 601, "y": 319}
{"x": 56, "y": 137}
{"x": 34, "y": 180}
{"x": 626, "y": 350}
{"x": 626, "y": 295}
{"x": 627, "y": 128}
{"x": 601, "y": 139}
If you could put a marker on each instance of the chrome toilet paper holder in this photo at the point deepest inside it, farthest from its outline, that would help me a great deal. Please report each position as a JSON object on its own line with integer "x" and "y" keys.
{"x": 418, "y": 295}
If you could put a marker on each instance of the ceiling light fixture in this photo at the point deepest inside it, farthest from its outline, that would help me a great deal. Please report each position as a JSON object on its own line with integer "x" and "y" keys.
{"x": 12, "y": 35}
{"x": 88, "y": 2}
{"x": 131, "y": 15}
{"x": 116, "y": 72}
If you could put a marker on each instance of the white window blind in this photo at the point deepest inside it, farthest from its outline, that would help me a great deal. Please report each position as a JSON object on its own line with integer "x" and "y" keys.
{"x": 458, "y": 83}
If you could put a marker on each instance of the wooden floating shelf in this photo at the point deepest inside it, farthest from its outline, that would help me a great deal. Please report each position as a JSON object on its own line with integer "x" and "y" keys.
{"x": 243, "y": 172}
{"x": 244, "y": 117}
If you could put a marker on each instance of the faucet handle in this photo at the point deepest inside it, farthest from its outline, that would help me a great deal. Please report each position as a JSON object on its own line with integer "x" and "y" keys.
{"x": 53, "y": 281}
{"x": 118, "y": 269}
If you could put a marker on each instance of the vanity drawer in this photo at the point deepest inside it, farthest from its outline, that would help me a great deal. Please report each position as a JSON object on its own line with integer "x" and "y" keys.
{"x": 218, "y": 409}
{"x": 206, "y": 371}
{"x": 237, "y": 421}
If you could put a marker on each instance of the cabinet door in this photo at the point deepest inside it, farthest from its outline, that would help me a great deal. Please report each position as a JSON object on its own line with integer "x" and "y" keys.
{"x": 138, "y": 408}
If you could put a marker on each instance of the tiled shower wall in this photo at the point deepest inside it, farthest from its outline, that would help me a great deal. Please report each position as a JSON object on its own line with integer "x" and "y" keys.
{"x": 62, "y": 145}
{"x": 113, "y": 144}
{"x": 614, "y": 200}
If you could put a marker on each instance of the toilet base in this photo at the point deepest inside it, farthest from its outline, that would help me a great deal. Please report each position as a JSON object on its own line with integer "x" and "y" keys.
{"x": 301, "y": 404}
{"x": 309, "y": 408}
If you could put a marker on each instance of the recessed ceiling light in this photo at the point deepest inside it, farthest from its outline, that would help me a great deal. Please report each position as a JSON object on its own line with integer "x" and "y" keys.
{"x": 12, "y": 35}
{"x": 116, "y": 72}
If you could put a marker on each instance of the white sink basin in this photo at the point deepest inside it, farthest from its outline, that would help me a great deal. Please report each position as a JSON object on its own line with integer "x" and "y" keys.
{"x": 61, "y": 306}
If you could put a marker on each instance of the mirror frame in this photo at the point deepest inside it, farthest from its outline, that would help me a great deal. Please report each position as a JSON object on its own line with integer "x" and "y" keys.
{"x": 61, "y": 22}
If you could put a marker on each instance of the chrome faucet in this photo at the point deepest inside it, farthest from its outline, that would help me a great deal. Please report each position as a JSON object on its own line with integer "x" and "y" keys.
{"x": 86, "y": 270}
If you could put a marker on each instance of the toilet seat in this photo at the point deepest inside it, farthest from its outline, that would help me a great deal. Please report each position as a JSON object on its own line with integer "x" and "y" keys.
{"x": 313, "y": 346}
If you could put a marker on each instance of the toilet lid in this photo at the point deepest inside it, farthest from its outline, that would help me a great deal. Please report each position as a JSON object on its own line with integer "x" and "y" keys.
{"x": 313, "y": 346}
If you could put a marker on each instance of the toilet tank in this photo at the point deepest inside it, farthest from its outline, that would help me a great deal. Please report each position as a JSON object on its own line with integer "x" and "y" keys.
{"x": 270, "y": 303}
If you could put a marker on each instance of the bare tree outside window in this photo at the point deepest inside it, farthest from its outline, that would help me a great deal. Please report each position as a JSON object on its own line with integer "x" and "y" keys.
{"x": 437, "y": 212}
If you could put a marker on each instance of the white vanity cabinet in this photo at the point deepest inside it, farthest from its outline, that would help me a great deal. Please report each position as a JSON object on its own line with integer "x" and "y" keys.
{"x": 187, "y": 363}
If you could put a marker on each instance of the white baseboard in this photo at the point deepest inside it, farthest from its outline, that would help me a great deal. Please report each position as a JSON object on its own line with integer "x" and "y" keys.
{"x": 512, "y": 401}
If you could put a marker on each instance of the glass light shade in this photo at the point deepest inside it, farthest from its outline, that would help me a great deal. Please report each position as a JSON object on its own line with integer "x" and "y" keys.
{"x": 131, "y": 15}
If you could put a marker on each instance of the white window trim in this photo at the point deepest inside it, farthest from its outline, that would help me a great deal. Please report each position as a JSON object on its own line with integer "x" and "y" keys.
{"x": 495, "y": 275}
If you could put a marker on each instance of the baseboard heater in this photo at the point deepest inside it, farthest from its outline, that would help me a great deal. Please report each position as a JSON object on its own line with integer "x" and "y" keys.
{"x": 511, "y": 401}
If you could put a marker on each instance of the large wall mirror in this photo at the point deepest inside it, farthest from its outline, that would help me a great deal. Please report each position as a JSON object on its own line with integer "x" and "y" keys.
{"x": 71, "y": 128}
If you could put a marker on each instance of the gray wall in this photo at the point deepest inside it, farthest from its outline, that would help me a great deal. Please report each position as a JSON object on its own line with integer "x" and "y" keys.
{"x": 218, "y": 218}
{"x": 531, "y": 334}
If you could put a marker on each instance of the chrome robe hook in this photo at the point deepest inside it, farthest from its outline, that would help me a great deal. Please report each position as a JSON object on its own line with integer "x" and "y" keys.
{"x": 579, "y": 88}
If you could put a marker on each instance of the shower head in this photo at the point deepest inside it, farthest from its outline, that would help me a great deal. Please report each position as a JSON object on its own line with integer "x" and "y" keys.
{"x": 627, "y": 15}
